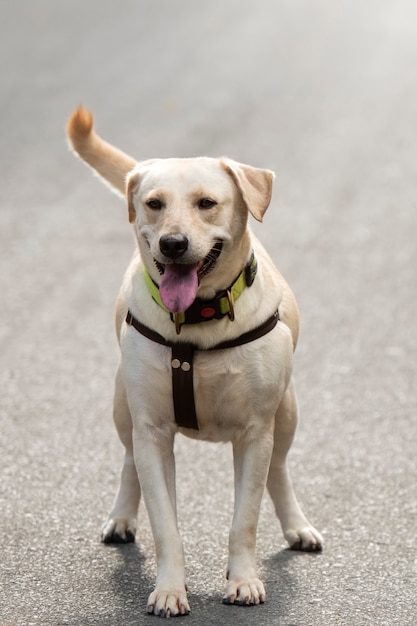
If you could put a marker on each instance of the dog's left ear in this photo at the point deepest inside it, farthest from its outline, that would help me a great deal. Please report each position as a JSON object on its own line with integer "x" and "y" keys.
{"x": 254, "y": 184}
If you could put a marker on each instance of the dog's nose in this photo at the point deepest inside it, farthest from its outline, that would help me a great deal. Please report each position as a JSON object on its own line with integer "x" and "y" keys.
{"x": 173, "y": 245}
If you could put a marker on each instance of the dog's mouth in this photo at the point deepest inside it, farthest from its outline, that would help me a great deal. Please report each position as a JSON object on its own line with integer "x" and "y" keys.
{"x": 180, "y": 281}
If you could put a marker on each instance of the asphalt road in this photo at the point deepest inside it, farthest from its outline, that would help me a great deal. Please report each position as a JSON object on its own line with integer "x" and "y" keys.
{"x": 324, "y": 93}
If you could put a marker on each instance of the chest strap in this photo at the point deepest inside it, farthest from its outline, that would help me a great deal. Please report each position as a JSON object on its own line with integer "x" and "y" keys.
{"x": 182, "y": 354}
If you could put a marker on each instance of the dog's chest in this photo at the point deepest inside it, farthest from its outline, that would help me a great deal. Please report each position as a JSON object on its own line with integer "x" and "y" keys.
{"x": 227, "y": 394}
{"x": 232, "y": 387}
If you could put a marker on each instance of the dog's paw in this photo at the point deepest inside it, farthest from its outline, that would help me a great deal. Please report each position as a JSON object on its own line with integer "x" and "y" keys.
{"x": 307, "y": 539}
{"x": 245, "y": 592}
{"x": 168, "y": 603}
{"x": 117, "y": 530}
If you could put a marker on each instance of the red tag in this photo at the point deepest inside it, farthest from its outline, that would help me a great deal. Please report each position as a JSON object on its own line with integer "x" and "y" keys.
{"x": 208, "y": 312}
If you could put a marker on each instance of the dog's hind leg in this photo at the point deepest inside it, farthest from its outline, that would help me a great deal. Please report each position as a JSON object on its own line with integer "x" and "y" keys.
{"x": 121, "y": 524}
{"x": 298, "y": 531}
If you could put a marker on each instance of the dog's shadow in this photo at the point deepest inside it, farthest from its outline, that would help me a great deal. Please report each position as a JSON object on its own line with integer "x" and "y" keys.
{"x": 132, "y": 582}
{"x": 283, "y": 586}
{"x": 130, "y": 575}
{"x": 129, "y": 581}
{"x": 130, "y": 578}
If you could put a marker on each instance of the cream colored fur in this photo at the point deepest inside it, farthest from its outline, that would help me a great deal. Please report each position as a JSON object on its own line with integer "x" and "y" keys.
{"x": 244, "y": 395}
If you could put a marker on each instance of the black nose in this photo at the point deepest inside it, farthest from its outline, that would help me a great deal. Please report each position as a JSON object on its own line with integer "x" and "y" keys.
{"x": 173, "y": 246}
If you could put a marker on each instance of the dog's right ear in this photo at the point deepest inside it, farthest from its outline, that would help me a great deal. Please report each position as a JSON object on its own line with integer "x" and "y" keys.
{"x": 133, "y": 182}
{"x": 109, "y": 162}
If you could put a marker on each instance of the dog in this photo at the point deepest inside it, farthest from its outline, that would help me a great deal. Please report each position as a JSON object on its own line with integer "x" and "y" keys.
{"x": 207, "y": 327}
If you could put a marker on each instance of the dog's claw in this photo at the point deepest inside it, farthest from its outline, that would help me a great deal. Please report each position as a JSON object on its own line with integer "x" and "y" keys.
{"x": 130, "y": 537}
{"x": 306, "y": 539}
{"x": 245, "y": 592}
{"x": 119, "y": 539}
{"x": 168, "y": 604}
{"x": 118, "y": 531}
{"x": 307, "y": 548}
{"x": 115, "y": 538}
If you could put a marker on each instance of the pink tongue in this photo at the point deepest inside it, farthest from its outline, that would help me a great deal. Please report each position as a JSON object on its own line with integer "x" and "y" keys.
{"x": 178, "y": 288}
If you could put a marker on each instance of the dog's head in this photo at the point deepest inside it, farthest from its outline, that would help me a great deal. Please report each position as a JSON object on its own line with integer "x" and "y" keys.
{"x": 190, "y": 218}
{"x": 189, "y": 215}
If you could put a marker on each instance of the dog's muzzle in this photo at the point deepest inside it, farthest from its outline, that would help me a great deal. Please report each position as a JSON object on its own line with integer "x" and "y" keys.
{"x": 180, "y": 281}
{"x": 206, "y": 265}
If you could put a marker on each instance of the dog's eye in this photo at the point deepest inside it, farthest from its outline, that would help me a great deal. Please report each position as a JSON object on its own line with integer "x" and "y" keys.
{"x": 206, "y": 203}
{"x": 154, "y": 204}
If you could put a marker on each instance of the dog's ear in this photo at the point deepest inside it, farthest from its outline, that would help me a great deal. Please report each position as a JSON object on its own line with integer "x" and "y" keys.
{"x": 109, "y": 162}
{"x": 133, "y": 180}
{"x": 254, "y": 184}
{"x": 132, "y": 185}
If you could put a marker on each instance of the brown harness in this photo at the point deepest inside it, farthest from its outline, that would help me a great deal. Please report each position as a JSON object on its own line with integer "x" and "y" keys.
{"x": 182, "y": 354}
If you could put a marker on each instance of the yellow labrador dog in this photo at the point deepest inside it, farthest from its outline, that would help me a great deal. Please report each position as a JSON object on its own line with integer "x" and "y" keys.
{"x": 207, "y": 327}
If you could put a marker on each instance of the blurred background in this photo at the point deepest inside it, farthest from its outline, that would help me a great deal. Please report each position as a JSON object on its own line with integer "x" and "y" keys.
{"x": 325, "y": 94}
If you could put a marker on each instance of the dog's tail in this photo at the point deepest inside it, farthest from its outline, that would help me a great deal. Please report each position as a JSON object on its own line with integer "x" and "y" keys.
{"x": 109, "y": 162}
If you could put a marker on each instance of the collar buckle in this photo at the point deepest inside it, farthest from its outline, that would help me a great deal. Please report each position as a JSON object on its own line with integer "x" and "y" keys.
{"x": 231, "y": 312}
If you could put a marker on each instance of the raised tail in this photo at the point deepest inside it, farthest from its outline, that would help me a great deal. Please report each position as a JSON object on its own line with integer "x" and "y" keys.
{"x": 109, "y": 162}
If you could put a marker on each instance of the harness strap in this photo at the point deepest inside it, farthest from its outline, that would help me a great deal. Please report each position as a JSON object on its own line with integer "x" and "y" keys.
{"x": 183, "y": 385}
{"x": 182, "y": 354}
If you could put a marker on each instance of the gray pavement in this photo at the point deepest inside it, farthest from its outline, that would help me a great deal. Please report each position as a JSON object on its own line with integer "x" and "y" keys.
{"x": 325, "y": 93}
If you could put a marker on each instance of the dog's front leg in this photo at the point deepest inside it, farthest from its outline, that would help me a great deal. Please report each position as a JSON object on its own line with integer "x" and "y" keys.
{"x": 154, "y": 458}
{"x": 251, "y": 460}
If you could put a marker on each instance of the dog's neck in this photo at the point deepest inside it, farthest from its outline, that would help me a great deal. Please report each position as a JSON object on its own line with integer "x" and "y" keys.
{"x": 218, "y": 307}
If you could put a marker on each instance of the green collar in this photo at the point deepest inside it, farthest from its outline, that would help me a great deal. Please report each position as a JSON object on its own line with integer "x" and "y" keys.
{"x": 205, "y": 310}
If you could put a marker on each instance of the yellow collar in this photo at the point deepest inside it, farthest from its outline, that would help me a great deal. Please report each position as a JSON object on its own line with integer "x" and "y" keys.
{"x": 205, "y": 310}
